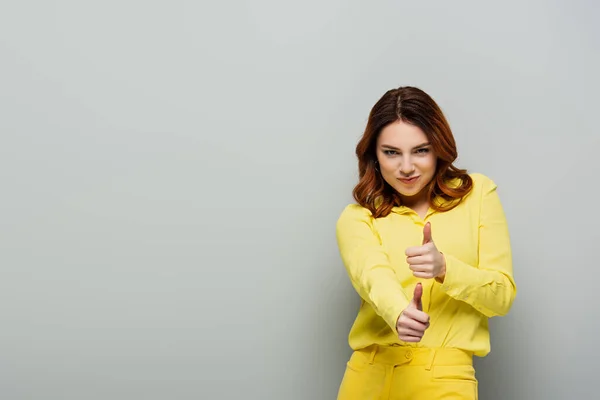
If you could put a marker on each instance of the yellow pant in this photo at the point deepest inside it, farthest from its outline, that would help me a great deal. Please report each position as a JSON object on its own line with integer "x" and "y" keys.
{"x": 403, "y": 373}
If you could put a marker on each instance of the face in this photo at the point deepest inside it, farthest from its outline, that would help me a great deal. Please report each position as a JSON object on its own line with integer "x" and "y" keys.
{"x": 406, "y": 160}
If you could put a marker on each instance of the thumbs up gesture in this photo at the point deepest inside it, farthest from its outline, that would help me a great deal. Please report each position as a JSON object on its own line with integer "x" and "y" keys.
{"x": 426, "y": 261}
{"x": 413, "y": 322}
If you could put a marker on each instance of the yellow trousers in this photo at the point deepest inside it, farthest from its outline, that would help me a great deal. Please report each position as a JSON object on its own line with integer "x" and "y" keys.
{"x": 408, "y": 373}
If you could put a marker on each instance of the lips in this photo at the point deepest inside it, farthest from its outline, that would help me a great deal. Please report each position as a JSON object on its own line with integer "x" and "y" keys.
{"x": 408, "y": 181}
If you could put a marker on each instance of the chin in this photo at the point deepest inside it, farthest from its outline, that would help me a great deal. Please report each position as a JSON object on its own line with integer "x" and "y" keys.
{"x": 409, "y": 192}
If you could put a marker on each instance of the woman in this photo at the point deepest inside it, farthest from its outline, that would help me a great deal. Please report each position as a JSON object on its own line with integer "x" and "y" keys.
{"x": 427, "y": 249}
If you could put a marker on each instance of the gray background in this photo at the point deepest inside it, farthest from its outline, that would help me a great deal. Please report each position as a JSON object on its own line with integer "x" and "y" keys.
{"x": 172, "y": 172}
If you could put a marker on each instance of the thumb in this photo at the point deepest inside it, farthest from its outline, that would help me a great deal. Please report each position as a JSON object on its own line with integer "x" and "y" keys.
{"x": 416, "y": 301}
{"x": 427, "y": 233}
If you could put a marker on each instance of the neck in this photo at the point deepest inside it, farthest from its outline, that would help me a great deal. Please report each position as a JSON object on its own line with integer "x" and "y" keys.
{"x": 417, "y": 201}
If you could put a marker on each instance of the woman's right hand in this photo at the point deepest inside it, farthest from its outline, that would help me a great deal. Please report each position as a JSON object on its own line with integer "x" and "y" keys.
{"x": 413, "y": 322}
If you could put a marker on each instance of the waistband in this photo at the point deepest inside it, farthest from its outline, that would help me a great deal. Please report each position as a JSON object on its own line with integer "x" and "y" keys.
{"x": 415, "y": 356}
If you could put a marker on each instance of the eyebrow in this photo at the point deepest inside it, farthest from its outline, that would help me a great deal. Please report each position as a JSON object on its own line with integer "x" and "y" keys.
{"x": 387, "y": 146}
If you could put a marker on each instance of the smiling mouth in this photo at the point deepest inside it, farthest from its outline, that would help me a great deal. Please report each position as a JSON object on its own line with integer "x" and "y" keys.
{"x": 408, "y": 180}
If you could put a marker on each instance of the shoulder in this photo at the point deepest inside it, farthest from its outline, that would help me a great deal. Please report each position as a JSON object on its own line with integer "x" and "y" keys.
{"x": 483, "y": 187}
{"x": 479, "y": 184}
{"x": 354, "y": 216}
{"x": 479, "y": 178}
{"x": 482, "y": 182}
{"x": 353, "y": 212}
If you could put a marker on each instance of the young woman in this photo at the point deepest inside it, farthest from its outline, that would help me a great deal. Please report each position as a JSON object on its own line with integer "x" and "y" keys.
{"x": 427, "y": 248}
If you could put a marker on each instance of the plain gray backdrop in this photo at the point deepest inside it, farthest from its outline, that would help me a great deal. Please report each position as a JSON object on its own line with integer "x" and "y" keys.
{"x": 172, "y": 172}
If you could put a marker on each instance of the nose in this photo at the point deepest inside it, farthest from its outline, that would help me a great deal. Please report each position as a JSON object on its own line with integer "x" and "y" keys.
{"x": 406, "y": 166}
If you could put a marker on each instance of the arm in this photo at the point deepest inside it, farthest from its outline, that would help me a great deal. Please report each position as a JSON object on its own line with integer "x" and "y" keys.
{"x": 368, "y": 265}
{"x": 490, "y": 287}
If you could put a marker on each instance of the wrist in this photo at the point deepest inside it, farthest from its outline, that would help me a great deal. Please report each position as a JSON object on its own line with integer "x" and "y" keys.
{"x": 398, "y": 322}
{"x": 442, "y": 275}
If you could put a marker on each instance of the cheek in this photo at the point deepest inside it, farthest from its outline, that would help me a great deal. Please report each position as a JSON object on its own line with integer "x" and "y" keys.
{"x": 388, "y": 172}
{"x": 428, "y": 166}
{"x": 386, "y": 166}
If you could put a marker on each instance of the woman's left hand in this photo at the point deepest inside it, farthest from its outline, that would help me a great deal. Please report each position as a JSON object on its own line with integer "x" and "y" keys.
{"x": 426, "y": 261}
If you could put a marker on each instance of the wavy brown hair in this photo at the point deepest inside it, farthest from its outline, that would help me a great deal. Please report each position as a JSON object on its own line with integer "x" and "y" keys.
{"x": 411, "y": 105}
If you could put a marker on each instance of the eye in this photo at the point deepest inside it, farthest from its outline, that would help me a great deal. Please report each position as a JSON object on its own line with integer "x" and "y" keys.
{"x": 423, "y": 150}
{"x": 390, "y": 152}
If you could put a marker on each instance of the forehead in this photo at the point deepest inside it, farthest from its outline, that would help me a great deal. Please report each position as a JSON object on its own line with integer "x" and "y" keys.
{"x": 401, "y": 135}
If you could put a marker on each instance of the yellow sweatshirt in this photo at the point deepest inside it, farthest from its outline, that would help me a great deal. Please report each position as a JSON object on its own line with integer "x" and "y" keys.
{"x": 479, "y": 283}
